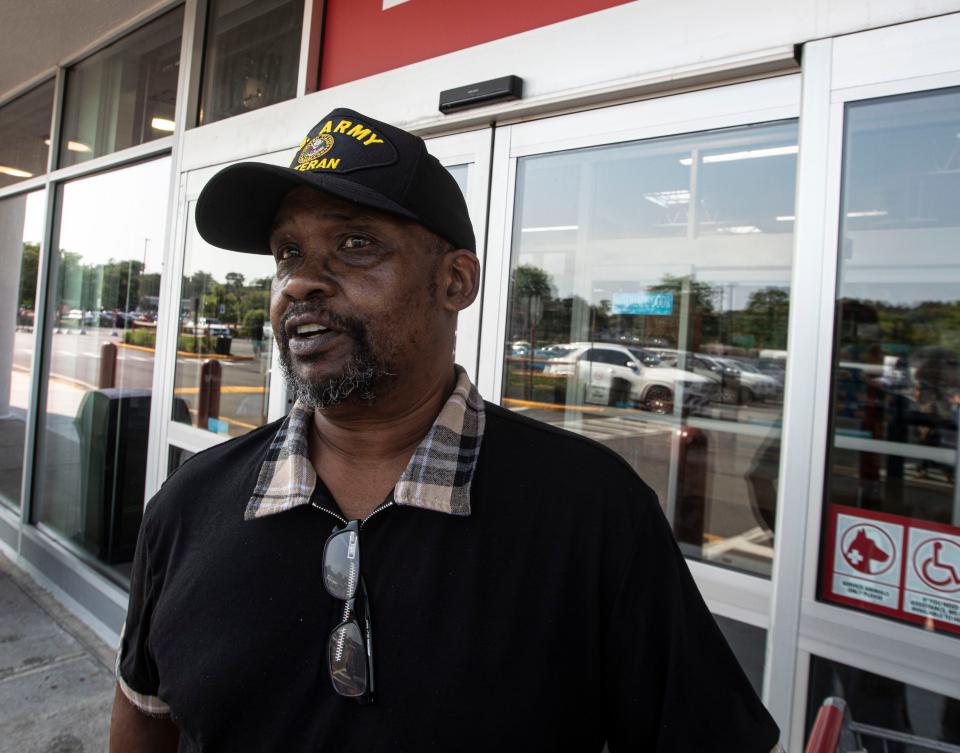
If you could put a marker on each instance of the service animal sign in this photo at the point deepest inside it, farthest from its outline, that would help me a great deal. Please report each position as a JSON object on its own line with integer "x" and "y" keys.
{"x": 893, "y": 565}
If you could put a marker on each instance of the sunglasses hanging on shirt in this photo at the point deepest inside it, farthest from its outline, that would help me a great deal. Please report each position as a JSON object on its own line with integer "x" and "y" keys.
{"x": 350, "y": 645}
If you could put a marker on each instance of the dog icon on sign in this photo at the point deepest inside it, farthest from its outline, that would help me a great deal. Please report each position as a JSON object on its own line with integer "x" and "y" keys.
{"x": 868, "y": 549}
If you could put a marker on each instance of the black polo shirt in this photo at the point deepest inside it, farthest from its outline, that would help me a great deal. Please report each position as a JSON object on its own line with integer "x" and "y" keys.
{"x": 555, "y": 614}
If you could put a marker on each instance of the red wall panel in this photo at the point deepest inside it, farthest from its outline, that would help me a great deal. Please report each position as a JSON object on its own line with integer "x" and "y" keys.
{"x": 361, "y": 38}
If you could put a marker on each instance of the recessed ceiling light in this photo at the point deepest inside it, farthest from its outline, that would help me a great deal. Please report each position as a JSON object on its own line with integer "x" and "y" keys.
{"x": 549, "y": 228}
{"x": 774, "y": 151}
{"x": 739, "y": 229}
{"x": 12, "y": 171}
{"x": 162, "y": 124}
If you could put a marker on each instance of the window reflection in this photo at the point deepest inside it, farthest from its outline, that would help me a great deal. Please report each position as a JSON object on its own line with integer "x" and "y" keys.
{"x": 25, "y": 134}
{"x": 100, "y": 346}
{"x": 889, "y": 705}
{"x": 896, "y": 381}
{"x": 251, "y": 56}
{"x": 460, "y": 174}
{"x": 125, "y": 94}
{"x": 21, "y": 231}
{"x": 224, "y": 340}
{"x": 649, "y": 298}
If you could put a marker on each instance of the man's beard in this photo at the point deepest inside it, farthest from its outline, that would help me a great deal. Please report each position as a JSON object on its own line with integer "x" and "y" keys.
{"x": 360, "y": 377}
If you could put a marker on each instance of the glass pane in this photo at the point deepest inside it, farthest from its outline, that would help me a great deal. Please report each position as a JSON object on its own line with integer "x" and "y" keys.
{"x": 749, "y": 644}
{"x": 885, "y": 703}
{"x": 460, "y": 174}
{"x": 648, "y": 309}
{"x": 25, "y": 134}
{"x": 92, "y": 455}
{"x": 125, "y": 94}
{"x": 224, "y": 340}
{"x": 892, "y": 501}
{"x": 21, "y": 231}
{"x": 251, "y": 56}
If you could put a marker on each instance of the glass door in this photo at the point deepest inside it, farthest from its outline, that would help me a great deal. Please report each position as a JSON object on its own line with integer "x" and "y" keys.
{"x": 467, "y": 157}
{"x": 880, "y": 611}
{"x": 638, "y": 292}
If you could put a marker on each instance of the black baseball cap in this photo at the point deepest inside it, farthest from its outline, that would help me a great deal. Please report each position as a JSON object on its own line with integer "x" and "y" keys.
{"x": 347, "y": 155}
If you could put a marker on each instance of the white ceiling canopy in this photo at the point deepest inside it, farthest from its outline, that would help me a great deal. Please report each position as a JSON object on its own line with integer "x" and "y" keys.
{"x": 36, "y": 35}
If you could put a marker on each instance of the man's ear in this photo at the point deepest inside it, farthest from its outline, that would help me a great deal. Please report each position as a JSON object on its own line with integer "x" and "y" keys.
{"x": 459, "y": 281}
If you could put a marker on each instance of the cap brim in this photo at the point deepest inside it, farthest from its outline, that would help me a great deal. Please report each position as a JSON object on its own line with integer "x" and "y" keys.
{"x": 237, "y": 207}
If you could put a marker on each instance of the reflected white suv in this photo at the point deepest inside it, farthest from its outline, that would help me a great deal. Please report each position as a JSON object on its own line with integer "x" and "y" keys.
{"x": 602, "y": 371}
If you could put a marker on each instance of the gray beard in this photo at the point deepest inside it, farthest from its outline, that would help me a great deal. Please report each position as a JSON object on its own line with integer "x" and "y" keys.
{"x": 360, "y": 378}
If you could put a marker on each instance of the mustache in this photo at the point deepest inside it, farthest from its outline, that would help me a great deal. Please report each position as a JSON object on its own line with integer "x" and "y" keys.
{"x": 350, "y": 325}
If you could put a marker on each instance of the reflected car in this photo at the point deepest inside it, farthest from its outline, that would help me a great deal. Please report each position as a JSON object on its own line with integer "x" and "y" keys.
{"x": 209, "y": 326}
{"x": 215, "y": 328}
{"x": 615, "y": 374}
{"x": 724, "y": 376}
{"x": 754, "y": 384}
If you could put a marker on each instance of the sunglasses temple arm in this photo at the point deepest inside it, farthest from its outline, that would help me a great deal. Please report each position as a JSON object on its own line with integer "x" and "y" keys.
{"x": 368, "y": 628}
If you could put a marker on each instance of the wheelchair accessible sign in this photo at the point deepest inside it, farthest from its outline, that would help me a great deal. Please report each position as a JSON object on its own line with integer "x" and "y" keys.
{"x": 893, "y": 565}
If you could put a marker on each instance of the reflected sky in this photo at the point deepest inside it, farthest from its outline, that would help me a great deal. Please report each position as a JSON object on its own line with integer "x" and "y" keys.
{"x": 33, "y": 217}
{"x": 110, "y": 215}
{"x": 620, "y": 218}
{"x": 901, "y": 210}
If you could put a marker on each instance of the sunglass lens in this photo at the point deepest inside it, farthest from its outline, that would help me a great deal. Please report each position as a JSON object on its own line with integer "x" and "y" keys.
{"x": 348, "y": 660}
{"x": 341, "y": 564}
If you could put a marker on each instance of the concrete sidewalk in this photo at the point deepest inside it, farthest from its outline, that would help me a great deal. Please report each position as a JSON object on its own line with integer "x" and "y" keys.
{"x": 56, "y": 675}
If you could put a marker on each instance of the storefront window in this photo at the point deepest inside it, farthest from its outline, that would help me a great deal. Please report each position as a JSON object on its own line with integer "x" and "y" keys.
{"x": 903, "y": 718}
{"x": 25, "y": 134}
{"x": 892, "y": 504}
{"x": 224, "y": 340}
{"x": 460, "y": 174}
{"x": 100, "y": 343}
{"x": 21, "y": 231}
{"x": 649, "y": 298}
{"x": 251, "y": 56}
{"x": 125, "y": 94}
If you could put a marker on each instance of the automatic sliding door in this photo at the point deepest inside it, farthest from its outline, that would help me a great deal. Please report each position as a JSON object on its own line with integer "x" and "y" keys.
{"x": 648, "y": 302}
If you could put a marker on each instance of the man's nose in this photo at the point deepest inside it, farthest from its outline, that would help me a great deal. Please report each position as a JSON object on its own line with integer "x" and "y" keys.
{"x": 310, "y": 279}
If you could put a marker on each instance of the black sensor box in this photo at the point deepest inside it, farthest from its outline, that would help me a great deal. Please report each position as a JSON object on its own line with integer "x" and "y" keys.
{"x": 474, "y": 95}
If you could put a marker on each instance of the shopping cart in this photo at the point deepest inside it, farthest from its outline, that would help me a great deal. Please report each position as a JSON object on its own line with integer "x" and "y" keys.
{"x": 834, "y": 731}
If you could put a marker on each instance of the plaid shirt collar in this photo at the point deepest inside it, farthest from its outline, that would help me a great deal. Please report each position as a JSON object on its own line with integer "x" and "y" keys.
{"x": 437, "y": 477}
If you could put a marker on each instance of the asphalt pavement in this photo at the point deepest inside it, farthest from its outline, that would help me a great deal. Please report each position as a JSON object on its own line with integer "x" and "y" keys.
{"x": 56, "y": 675}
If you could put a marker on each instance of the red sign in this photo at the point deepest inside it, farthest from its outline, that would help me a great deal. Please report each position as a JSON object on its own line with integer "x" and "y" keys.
{"x": 363, "y": 37}
{"x": 893, "y": 565}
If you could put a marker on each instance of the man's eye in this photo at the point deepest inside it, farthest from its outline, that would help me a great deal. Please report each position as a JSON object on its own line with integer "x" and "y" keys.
{"x": 287, "y": 251}
{"x": 355, "y": 242}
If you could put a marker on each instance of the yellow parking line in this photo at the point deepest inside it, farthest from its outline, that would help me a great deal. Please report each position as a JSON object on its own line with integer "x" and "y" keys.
{"x": 188, "y": 353}
{"x": 225, "y": 390}
{"x": 514, "y": 402}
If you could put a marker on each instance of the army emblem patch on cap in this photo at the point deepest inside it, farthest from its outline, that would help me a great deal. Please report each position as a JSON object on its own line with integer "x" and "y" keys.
{"x": 315, "y": 147}
{"x": 342, "y": 144}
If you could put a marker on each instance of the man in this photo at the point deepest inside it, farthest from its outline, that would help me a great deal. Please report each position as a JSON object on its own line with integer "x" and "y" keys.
{"x": 398, "y": 565}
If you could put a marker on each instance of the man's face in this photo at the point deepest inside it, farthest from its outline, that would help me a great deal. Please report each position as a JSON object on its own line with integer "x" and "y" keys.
{"x": 351, "y": 302}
